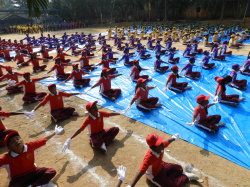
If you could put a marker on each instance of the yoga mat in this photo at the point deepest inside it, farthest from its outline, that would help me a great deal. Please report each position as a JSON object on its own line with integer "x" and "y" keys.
{"x": 231, "y": 142}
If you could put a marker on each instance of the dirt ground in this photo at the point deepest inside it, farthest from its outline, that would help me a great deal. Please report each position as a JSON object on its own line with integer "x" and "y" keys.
{"x": 85, "y": 166}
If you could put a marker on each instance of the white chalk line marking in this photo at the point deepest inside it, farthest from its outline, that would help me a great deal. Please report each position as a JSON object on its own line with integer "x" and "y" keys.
{"x": 183, "y": 164}
{"x": 77, "y": 161}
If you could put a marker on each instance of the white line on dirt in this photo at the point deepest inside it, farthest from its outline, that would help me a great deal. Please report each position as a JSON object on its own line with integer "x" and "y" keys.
{"x": 212, "y": 181}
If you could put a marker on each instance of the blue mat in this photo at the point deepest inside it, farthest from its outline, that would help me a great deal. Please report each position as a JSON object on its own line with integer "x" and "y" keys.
{"x": 231, "y": 142}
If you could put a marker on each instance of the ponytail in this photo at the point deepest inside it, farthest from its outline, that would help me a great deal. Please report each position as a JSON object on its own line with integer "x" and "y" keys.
{"x": 42, "y": 51}
{"x": 139, "y": 68}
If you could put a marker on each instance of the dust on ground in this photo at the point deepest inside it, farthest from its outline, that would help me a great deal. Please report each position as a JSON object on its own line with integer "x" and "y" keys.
{"x": 87, "y": 166}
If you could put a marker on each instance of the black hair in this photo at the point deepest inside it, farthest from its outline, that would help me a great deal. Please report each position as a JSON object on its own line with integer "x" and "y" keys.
{"x": 227, "y": 78}
{"x": 42, "y": 51}
{"x": 177, "y": 75}
{"x": 136, "y": 87}
{"x": 31, "y": 57}
{"x": 139, "y": 68}
{"x": 58, "y": 59}
{"x": 10, "y": 138}
{"x": 102, "y": 74}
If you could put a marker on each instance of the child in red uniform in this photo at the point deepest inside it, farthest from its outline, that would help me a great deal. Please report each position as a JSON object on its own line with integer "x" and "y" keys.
{"x": 12, "y": 76}
{"x": 30, "y": 94}
{"x": 35, "y": 62}
{"x": 28, "y": 49}
{"x": 21, "y": 161}
{"x": 141, "y": 97}
{"x": 1, "y": 71}
{"x": 135, "y": 72}
{"x": 3, "y": 130}
{"x": 105, "y": 85}
{"x": 99, "y": 137}
{"x": 45, "y": 54}
{"x": 62, "y": 55}
{"x": 6, "y": 54}
{"x": 232, "y": 100}
{"x": 156, "y": 170}
{"x": 85, "y": 66}
{"x": 172, "y": 84}
{"x": 19, "y": 58}
{"x": 55, "y": 99}
{"x": 77, "y": 74}
{"x": 105, "y": 64}
{"x": 59, "y": 68}
{"x": 200, "y": 118}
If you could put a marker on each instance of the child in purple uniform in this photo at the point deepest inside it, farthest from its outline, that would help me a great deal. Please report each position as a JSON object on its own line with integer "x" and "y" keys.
{"x": 142, "y": 53}
{"x": 239, "y": 84}
{"x": 215, "y": 55}
{"x": 126, "y": 59}
{"x": 205, "y": 60}
{"x": 157, "y": 65}
{"x": 187, "y": 53}
{"x": 171, "y": 58}
{"x": 128, "y": 48}
{"x": 188, "y": 70}
{"x": 245, "y": 68}
{"x": 138, "y": 45}
{"x": 73, "y": 49}
{"x": 150, "y": 43}
{"x": 195, "y": 47}
{"x": 223, "y": 50}
{"x": 158, "y": 47}
{"x": 110, "y": 54}
{"x": 119, "y": 45}
{"x": 132, "y": 41}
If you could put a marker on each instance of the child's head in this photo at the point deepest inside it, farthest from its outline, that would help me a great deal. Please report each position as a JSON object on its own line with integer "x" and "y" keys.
{"x": 84, "y": 53}
{"x": 60, "y": 50}
{"x": 158, "y": 56}
{"x": 227, "y": 79}
{"x": 9, "y": 69}
{"x": 14, "y": 142}
{"x": 57, "y": 61}
{"x": 136, "y": 62}
{"x": 104, "y": 56}
{"x": 26, "y": 76}
{"x": 236, "y": 67}
{"x": 109, "y": 49}
{"x": 52, "y": 88}
{"x": 192, "y": 60}
{"x": 92, "y": 108}
{"x": 202, "y": 99}
{"x": 17, "y": 52}
{"x": 32, "y": 55}
{"x": 175, "y": 69}
{"x": 75, "y": 67}
{"x": 189, "y": 46}
{"x": 126, "y": 51}
{"x": 105, "y": 72}
{"x": 155, "y": 142}
{"x": 206, "y": 53}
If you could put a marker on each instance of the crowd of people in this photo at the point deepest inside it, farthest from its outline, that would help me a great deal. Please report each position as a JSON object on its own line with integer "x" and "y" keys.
{"x": 20, "y": 159}
{"x": 46, "y": 27}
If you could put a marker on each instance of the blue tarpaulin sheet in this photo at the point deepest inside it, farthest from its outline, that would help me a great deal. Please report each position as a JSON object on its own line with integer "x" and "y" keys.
{"x": 231, "y": 142}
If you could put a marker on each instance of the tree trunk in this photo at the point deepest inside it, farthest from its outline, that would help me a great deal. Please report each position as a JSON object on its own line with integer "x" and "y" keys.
{"x": 222, "y": 9}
